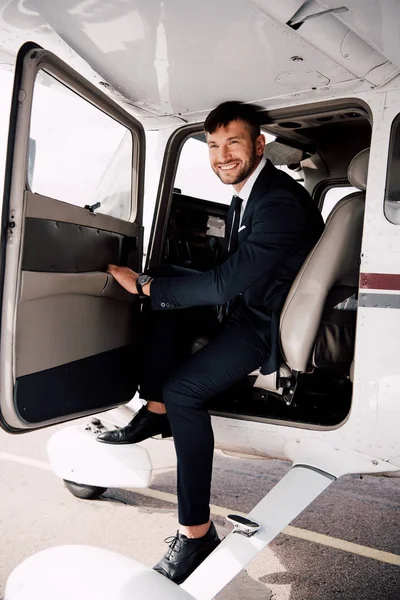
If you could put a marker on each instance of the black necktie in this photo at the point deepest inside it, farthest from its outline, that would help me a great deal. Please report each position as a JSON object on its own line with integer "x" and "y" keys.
{"x": 232, "y": 224}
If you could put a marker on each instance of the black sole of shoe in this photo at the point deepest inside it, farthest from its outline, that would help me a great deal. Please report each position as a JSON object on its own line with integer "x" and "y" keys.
{"x": 161, "y": 436}
{"x": 156, "y": 436}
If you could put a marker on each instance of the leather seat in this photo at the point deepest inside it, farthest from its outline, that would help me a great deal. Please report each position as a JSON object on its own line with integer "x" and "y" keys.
{"x": 314, "y": 330}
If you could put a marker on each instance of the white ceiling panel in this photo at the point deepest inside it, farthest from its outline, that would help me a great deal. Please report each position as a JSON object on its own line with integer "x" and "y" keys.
{"x": 182, "y": 57}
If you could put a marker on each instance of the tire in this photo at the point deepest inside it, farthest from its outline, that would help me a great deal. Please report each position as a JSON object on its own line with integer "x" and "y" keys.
{"x": 84, "y": 492}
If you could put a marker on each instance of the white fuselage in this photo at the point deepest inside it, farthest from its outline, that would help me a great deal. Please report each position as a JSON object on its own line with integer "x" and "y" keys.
{"x": 139, "y": 52}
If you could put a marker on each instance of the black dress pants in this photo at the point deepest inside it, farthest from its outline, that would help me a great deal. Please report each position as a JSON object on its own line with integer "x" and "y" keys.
{"x": 185, "y": 382}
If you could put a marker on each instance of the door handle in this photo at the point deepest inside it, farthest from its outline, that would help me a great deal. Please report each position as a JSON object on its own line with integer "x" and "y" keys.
{"x": 93, "y": 207}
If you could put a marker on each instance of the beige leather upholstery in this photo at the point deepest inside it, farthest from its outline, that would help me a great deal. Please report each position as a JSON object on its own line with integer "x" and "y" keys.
{"x": 36, "y": 285}
{"x": 66, "y": 328}
{"x": 86, "y": 313}
{"x": 334, "y": 261}
{"x": 358, "y": 170}
{"x": 66, "y": 317}
{"x": 310, "y": 334}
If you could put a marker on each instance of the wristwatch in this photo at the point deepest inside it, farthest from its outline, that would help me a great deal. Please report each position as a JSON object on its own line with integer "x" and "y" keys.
{"x": 141, "y": 281}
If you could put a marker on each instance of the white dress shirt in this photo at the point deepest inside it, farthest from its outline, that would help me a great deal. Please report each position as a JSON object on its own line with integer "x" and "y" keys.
{"x": 248, "y": 186}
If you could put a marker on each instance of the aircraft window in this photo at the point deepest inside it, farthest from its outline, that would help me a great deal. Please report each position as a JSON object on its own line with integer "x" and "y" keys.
{"x": 297, "y": 174}
{"x": 77, "y": 153}
{"x": 195, "y": 177}
{"x": 392, "y": 191}
{"x": 332, "y": 197}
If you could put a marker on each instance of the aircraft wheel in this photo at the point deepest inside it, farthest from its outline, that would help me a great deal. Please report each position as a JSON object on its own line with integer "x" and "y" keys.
{"x": 85, "y": 492}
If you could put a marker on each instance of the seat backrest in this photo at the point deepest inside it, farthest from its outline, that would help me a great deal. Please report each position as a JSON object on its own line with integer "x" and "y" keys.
{"x": 333, "y": 262}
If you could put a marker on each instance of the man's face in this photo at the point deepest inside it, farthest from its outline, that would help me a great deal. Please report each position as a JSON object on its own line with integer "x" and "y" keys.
{"x": 234, "y": 155}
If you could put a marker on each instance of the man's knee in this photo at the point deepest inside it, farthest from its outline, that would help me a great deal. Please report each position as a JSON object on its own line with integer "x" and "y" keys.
{"x": 172, "y": 393}
{"x": 179, "y": 392}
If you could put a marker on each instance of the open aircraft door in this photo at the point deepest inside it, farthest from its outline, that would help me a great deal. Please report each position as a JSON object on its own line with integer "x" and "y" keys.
{"x": 68, "y": 332}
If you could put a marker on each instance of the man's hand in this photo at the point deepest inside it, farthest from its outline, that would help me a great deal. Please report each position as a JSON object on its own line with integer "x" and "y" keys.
{"x": 125, "y": 277}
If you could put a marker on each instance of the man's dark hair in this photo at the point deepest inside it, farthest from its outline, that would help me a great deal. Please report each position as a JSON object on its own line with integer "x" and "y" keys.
{"x": 233, "y": 110}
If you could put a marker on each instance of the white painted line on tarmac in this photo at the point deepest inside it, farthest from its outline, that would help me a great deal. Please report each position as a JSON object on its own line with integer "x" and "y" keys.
{"x": 338, "y": 544}
{"x": 25, "y": 460}
{"x": 297, "y": 532}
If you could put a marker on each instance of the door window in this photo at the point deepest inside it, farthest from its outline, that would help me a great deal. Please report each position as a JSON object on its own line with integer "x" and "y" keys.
{"x": 392, "y": 191}
{"x": 77, "y": 153}
{"x": 195, "y": 176}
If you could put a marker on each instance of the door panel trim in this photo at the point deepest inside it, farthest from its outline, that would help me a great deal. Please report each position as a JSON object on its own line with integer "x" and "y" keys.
{"x": 29, "y": 61}
{"x": 53, "y": 246}
{"x": 59, "y": 329}
{"x": 112, "y": 375}
{"x": 43, "y": 207}
{"x": 40, "y": 285}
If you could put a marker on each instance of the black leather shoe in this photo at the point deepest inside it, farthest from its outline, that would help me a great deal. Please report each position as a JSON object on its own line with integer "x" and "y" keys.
{"x": 186, "y": 554}
{"x": 144, "y": 424}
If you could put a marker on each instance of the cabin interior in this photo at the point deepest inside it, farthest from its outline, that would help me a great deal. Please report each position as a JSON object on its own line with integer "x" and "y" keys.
{"x": 315, "y": 145}
{"x": 67, "y": 245}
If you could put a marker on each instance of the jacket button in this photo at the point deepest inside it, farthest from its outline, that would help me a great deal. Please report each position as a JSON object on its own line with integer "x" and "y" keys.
{"x": 162, "y": 304}
{"x": 168, "y": 305}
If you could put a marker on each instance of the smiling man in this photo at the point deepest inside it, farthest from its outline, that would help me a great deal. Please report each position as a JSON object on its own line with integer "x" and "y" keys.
{"x": 235, "y": 151}
{"x": 271, "y": 227}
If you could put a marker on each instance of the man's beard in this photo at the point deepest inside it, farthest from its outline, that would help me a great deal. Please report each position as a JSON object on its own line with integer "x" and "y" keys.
{"x": 247, "y": 168}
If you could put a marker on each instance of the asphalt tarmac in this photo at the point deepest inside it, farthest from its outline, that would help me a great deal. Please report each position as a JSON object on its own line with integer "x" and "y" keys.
{"x": 346, "y": 545}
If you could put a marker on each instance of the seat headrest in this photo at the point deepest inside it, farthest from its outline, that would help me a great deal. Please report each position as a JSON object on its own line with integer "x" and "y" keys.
{"x": 358, "y": 170}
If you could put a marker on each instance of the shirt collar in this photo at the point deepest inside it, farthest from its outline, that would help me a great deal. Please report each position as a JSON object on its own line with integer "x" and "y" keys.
{"x": 248, "y": 186}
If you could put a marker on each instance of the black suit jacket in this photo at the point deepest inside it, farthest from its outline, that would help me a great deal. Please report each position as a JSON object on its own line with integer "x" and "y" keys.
{"x": 280, "y": 225}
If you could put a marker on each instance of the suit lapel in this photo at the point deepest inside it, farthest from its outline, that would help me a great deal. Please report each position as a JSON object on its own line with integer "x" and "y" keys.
{"x": 260, "y": 187}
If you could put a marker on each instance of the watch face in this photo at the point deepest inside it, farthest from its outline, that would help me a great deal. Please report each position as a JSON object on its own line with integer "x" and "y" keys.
{"x": 143, "y": 279}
